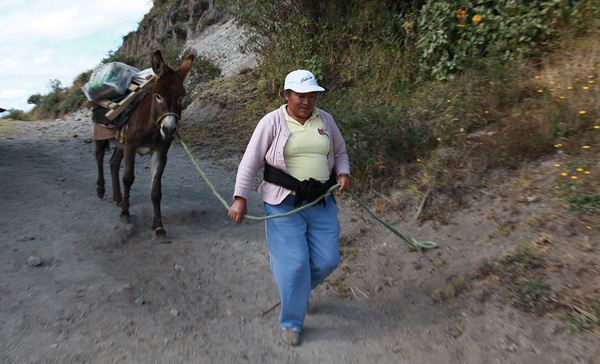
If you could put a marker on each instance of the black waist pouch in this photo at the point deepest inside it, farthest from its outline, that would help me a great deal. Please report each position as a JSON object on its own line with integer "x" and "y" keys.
{"x": 307, "y": 190}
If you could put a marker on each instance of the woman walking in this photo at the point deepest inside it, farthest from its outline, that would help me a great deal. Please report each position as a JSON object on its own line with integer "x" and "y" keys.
{"x": 304, "y": 155}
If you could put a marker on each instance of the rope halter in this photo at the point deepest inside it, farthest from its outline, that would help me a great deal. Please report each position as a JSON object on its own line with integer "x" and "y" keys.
{"x": 177, "y": 117}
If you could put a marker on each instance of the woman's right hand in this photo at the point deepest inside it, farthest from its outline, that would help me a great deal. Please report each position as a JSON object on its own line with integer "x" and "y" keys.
{"x": 238, "y": 210}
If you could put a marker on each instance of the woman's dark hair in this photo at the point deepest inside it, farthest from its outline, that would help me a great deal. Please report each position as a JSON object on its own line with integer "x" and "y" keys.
{"x": 287, "y": 92}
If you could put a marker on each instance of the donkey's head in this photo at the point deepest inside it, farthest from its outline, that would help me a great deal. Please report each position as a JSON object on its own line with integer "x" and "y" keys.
{"x": 168, "y": 94}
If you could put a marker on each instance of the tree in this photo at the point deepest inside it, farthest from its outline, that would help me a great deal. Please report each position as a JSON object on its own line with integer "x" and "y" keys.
{"x": 15, "y": 114}
{"x": 35, "y": 99}
{"x": 55, "y": 87}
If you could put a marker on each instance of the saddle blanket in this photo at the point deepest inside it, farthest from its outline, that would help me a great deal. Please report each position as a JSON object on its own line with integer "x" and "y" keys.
{"x": 111, "y": 129}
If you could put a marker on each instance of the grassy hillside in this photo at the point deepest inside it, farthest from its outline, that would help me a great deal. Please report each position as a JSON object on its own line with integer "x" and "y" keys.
{"x": 434, "y": 98}
{"x": 492, "y": 84}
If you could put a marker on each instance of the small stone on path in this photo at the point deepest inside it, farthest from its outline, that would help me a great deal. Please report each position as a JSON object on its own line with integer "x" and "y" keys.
{"x": 34, "y": 261}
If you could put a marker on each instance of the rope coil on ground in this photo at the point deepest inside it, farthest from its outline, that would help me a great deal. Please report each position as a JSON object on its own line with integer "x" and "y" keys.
{"x": 414, "y": 243}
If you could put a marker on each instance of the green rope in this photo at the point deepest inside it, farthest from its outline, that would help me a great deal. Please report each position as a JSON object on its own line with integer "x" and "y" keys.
{"x": 414, "y": 243}
{"x": 168, "y": 114}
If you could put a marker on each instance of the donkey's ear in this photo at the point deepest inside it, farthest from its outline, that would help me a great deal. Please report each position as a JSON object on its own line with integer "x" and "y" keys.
{"x": 159, "y": 66}
{"x": 186, "y": 66}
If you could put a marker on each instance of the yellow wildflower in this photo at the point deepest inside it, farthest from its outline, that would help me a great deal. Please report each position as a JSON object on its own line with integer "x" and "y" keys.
{"x": 591, "y": 76}
{"x": 476, "y": 18}
{"x": 460, "y": 25}
{"x": 564, "y": 174}
{"x": 557, "y": 165}
{"x": 585, "y": 147}
{"x": 541, "y": 90}
{"x": 579, "y": 169}
{"x": 587, "y": 172}
{"x": 460, "y": 13}
{"x": 582, "y": 112}
{"x": 558, "y": 145}
{"x": 570, "y": 88}
{"x": 585, "y": 88}
{"x": 596, "y": 126}
{"x": 574, "y": 177}
{"x": 486, "y": 112}
{"x": 588, "y": 227}
{"x": 590, "y": 81}
{"x": 537, "y": 77}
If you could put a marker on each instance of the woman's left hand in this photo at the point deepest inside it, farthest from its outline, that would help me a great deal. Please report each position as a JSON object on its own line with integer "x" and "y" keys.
{"x": 344, "y": 180}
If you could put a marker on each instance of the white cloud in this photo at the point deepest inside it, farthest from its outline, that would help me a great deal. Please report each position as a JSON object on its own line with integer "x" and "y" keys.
{"x": 45, "y": 40}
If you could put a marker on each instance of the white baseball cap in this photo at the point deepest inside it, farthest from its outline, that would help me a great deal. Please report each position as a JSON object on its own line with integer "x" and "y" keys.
{"x": 302, "y": 81}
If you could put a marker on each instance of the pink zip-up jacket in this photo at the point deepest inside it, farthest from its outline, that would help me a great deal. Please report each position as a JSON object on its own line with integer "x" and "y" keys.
{"x": 267, "y": 144}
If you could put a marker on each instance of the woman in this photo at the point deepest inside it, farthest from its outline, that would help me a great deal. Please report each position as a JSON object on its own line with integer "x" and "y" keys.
{"x": 304, "y": 154}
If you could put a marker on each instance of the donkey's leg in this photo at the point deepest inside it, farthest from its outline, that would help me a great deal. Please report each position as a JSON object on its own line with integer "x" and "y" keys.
{"x": 101, "y": 146}
{"x": 115, "y": 166}
{"x": 128, "y": 178}
{"x": 159, "y": 161}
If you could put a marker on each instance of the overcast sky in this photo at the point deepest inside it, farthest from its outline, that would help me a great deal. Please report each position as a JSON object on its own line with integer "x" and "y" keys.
{"x": 43, "y": 40}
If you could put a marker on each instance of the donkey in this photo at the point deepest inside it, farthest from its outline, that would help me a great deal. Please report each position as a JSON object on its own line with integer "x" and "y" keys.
{"x": 151, "y": 129}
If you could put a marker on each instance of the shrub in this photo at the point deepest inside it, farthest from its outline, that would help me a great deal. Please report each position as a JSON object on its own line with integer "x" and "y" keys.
{"x": 113, "y": 56}
{"x": 456, "y": 35}
{"x": 380, "y": 135}
{"x": 50, "y": 103}
{"x": 590, "y": 204}
{"x": 73, "y": 101}
{"x": 349, "y": 41}
{"x": 16, "y": 115}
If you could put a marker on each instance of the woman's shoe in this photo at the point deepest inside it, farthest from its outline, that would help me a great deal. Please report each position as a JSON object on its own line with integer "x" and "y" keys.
{"x": 291, "y": 338}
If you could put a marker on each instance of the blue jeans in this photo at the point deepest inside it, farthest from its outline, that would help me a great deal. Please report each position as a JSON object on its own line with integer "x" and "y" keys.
{"x": 303, "y": 249}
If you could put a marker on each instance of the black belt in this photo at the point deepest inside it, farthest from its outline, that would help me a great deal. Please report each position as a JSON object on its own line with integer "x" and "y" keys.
{"x": 307, "y": 190}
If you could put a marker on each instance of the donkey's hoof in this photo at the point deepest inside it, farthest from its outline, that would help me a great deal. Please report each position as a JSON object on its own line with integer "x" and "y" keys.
{"x": 160, "y": 231}
{"x": 126, "y": 219}
{"x": 100, "y": 194}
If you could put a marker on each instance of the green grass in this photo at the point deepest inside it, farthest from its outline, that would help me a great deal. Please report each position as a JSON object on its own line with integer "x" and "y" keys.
{"x": 530, "y": 293}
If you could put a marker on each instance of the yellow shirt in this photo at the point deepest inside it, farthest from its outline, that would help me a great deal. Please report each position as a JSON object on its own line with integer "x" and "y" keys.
{"x": 306, "y": 150}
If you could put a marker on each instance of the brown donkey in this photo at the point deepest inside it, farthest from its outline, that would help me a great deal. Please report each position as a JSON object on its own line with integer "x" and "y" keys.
{"x": 150, "y": 130}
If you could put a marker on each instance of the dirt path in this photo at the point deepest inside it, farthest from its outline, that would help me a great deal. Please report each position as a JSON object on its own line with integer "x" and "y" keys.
{"x": 79, "y": 286}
